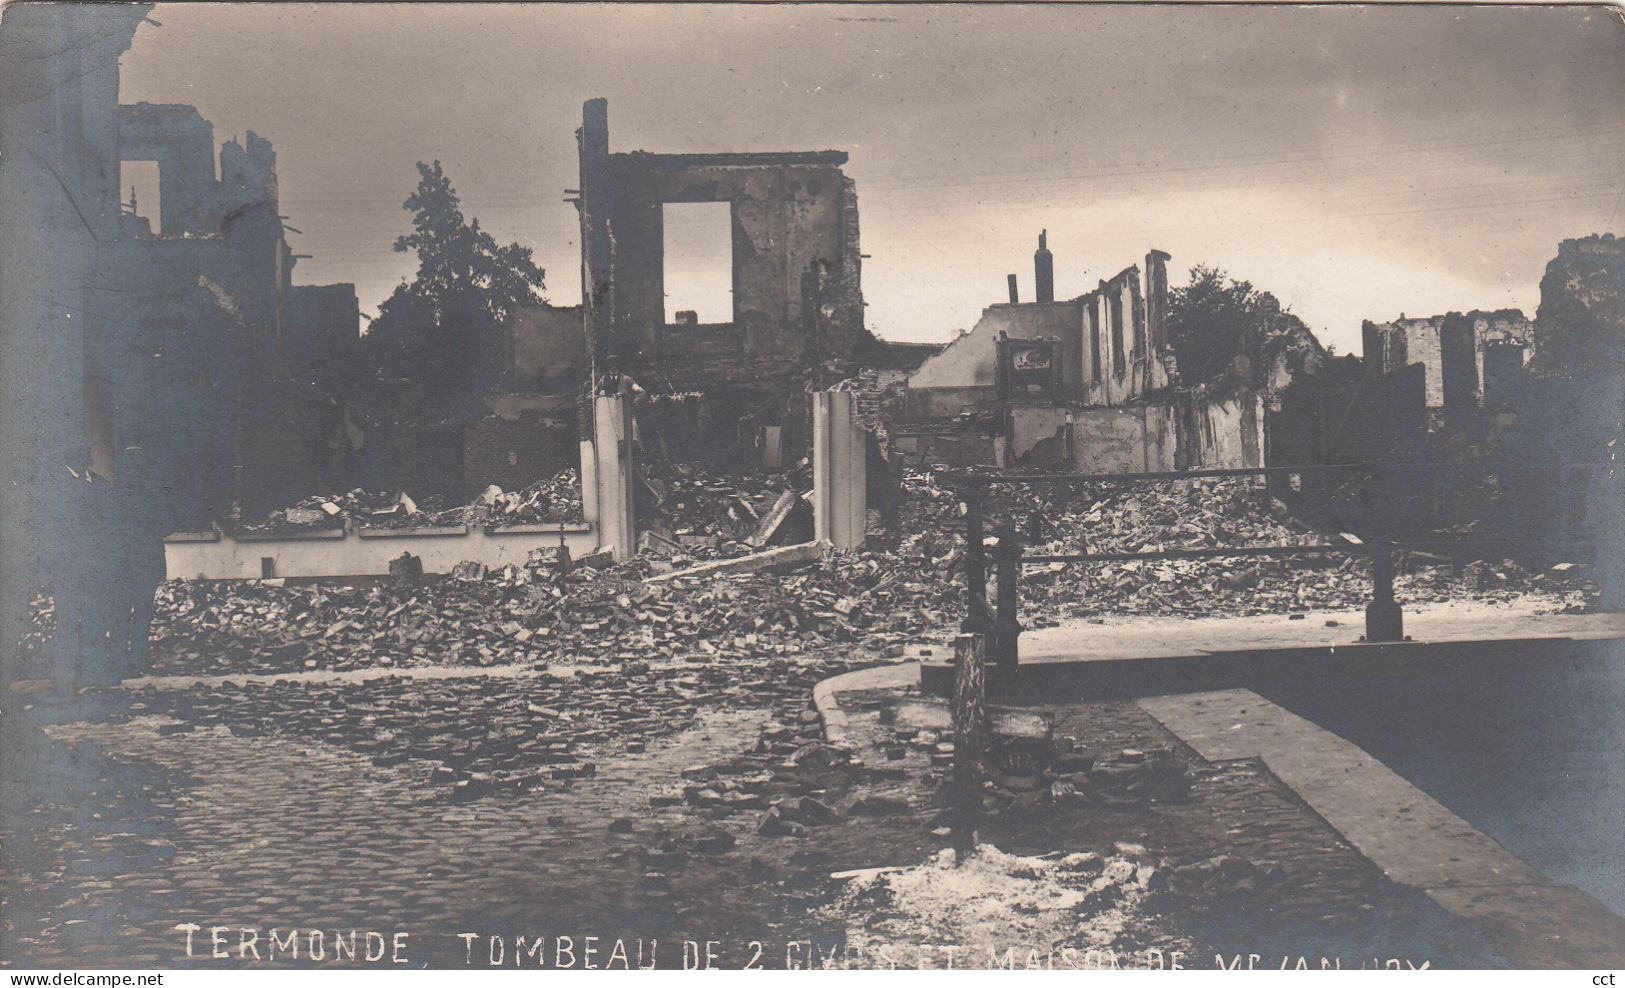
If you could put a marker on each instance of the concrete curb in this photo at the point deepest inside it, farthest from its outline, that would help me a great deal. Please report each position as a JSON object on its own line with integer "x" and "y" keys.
{"x": 826, "y": 695}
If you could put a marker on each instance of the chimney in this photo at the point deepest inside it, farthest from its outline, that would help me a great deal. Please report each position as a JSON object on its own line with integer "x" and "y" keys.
{"x": 1013, "y": 297}
{"x": 1043, "y": 270}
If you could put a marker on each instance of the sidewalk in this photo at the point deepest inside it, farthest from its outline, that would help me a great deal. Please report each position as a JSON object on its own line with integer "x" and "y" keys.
{"x": 1135, "y": 656}
{"x": 1414, "y": 839}
{"x": 1150, "y": 637}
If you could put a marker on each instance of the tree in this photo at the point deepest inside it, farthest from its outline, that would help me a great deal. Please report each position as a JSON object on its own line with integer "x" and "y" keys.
{"x": 447, "y": 323}
{"x": 1215, "y": 319}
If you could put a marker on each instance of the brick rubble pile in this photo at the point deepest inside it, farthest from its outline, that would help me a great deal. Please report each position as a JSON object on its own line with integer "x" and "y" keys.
{"x": 556, "y": 499}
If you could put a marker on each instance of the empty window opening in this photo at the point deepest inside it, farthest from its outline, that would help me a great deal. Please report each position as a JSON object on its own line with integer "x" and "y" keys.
{"x": 699, "y": 262}
{"x": 138, "y": 192}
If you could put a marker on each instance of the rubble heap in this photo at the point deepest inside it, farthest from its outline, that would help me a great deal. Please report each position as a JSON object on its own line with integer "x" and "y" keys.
{"x": 519, "y": 617}
{"x": 487, "y": 734}
{"x": 687, "y": 511}
{"x": 1204, "y": 513}
{"x": 906, "y": 587}
{"x": 556, "y": 499}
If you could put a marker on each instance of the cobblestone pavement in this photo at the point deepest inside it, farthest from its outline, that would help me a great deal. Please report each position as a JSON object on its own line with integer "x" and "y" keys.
{"x": 277, "y": 808}
{"x": 1292, "y": 888}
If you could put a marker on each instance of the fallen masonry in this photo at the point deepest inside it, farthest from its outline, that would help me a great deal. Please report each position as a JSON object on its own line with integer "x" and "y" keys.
{"x": 556, "y": 499}
{"x": 905, "y": 587}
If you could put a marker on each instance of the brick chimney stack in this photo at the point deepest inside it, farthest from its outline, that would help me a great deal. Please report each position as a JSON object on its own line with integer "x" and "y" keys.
{"x": 1014, "y": 298}
{"x": 1043, "y": 270}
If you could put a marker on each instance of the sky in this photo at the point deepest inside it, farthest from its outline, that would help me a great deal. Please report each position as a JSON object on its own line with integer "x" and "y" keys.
{"x": 1358, "y": 162}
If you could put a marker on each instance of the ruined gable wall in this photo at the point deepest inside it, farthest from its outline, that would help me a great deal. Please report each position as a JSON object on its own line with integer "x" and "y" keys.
{"x": 788, "y": 223}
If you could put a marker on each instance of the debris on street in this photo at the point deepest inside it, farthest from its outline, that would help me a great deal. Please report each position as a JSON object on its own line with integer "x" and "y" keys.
{"x": 1080, "y": 902}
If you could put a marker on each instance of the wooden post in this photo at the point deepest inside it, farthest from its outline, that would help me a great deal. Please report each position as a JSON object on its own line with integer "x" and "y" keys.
{"x": 970, "y": 724}
{"x": 976, "y": 618}
{"x": 1006, "y": 624}
{"x": 1384, "y": 619}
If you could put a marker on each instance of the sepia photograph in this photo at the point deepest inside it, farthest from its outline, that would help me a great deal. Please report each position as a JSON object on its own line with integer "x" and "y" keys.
{"x": 1081, "y": 487}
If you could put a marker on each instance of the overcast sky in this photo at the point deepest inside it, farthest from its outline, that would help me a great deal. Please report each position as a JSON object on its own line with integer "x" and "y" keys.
{"x": 1359, "y": 162}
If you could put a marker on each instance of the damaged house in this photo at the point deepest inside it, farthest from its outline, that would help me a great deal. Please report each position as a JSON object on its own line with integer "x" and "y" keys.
{"x": 158, "y": 366}
{"x": 1088, "y": 383}
{"x": 1468, "y": 360}
{"x": 787, "y": 225}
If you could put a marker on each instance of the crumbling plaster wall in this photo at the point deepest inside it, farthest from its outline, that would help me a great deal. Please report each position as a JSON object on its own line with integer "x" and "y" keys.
{"x": 1123, "y": 440}
{"x": 970, "y": 361}
{"x": 547, "y": 347}
{"x": 1223, "y": 433}
{"x": 1190, "y": 431}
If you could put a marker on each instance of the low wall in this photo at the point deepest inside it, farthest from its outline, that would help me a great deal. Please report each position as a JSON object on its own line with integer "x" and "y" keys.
{"x": 364, "y": 552}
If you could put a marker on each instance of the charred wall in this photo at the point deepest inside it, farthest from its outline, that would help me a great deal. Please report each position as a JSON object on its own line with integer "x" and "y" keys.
{"x": 797, "y": 309}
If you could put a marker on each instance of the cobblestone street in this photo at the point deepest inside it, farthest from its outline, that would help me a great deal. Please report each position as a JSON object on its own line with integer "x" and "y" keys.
{"x": 253, "y": 809}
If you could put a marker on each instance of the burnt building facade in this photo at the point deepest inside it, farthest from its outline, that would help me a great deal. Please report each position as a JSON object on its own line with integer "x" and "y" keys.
{"x": 1112, "y": 344}
{"x": 797, "y": 315}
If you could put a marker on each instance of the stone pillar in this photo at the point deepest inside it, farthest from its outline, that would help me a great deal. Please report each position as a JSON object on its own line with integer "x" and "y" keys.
{"x": 589, "y": 482}
{"x": 1156, "y": 301}
{"x": 613, "y": 473}
{"x": 840, "y": 464}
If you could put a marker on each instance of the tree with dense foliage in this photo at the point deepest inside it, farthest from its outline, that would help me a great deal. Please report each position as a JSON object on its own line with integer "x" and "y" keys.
{"x": 447, "y": 323}
{"x": 1216, "y": 319}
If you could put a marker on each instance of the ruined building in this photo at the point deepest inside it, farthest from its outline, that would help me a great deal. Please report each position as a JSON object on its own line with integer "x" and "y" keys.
{"x": 1088, "y": 383}
{"x": 1112, "y": 342}
{"x": 1580, "y": 325}
{"x": 1494, "y": 387}
{"x": 527, "y": 428}
{"x": 206, "y": 282}
{"x": 151, "y": 349}
{"x": 1468, "y": 360}
{"x": 796, "y": 318}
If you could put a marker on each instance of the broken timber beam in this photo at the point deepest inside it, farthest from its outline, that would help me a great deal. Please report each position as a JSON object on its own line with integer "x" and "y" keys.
{"x": 784, "y": 556}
